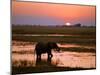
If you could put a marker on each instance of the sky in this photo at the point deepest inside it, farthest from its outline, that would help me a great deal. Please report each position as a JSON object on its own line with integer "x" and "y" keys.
{"x": 32, "y": 13}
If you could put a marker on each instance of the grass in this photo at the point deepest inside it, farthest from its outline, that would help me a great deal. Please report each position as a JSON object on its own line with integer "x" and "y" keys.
{"x": 70, "y": 49}
{"x": 27, "y": 70}
{"x": 53, "y": 30}
{"x": 79, "y": 49}
{"x": 71, "y": 40}
{"x": 80, "y": 35}
{"x": 27, "y": 67}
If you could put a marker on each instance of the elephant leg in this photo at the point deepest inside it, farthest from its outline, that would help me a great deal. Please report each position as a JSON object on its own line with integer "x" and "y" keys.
{"x": 50, "y": 55}
{"x": 38, "y": 56}
{"x": 49, "y": 58}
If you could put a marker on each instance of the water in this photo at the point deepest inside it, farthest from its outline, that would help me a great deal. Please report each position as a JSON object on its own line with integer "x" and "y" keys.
{"x": 25, "y": 53}
{"x": 40, "y": 35}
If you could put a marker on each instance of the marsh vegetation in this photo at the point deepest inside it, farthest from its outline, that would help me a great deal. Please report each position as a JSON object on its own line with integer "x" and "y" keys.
{"x": 77, "y": 44}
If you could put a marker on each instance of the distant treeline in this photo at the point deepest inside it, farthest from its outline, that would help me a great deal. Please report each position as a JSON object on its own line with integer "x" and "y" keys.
{"x": 75, "y": 25}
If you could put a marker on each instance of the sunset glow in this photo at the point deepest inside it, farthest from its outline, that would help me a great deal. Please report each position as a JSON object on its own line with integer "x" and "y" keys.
{"x": 68, "y": 24}
{"x": 51, "y": 14}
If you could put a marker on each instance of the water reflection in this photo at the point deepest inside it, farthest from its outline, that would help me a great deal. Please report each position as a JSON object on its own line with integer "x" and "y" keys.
{"x": 42, "y": 62}
{"x": 41, "y": 35}
{"x": 63, "y": 59}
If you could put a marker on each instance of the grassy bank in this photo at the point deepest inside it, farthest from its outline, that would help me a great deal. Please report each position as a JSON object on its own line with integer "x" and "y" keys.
{"x": 80, "y": 35}
{"x": 27, "y": 70}
{"x": 53, "y": 30}
{"x": 70, "y": 39}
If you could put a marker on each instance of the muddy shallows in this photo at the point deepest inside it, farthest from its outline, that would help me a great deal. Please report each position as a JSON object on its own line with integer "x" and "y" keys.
{"x": 71, "y": 57}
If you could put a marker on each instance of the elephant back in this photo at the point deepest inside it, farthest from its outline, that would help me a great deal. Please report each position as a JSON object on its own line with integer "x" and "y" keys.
{"x": 52, "y": 45}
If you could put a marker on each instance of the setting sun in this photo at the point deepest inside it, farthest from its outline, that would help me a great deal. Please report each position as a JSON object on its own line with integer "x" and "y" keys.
{"x": 68, "y": 24}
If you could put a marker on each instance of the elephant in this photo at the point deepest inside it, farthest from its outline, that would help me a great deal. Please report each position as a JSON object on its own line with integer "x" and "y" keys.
{"x": 42, "y": 47}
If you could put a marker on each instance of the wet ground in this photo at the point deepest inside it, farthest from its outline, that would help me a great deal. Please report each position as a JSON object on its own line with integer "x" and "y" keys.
{"x": 41, "y": 35}
{"x": 23, "y": 54}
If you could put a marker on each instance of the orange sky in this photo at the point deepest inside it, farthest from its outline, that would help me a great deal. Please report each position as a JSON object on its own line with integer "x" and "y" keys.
{"x": 60, "y": 11}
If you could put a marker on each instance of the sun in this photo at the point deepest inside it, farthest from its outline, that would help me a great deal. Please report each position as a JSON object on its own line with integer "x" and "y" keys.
{"x": 67, "y": 24}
